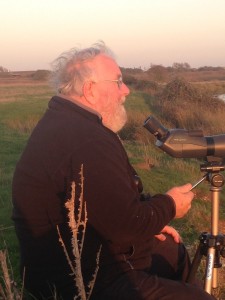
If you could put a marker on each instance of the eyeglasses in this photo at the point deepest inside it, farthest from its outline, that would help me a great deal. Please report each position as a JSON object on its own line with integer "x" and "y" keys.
{"x": 119, "y": 81}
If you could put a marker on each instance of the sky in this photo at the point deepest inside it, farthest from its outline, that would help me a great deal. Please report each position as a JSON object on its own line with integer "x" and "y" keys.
{"x": 140, "y": 32}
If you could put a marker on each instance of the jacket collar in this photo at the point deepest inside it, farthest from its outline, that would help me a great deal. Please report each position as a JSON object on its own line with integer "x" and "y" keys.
{"x": 78, "y": 103}
{"x": 64, "y": 104}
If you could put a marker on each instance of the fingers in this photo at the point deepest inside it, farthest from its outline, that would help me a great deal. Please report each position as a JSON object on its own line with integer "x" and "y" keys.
{"x": 174, "y": 233}
{"x": 161, "y": 237}
{"x": 182, "y": 197}
{"x": 185, "y": 188}
{"x": 171, "y": 231}
{"x": 176, "y": 236}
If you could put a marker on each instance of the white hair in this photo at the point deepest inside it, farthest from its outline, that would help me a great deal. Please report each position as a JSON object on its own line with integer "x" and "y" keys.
{"x": 70, "y": 70}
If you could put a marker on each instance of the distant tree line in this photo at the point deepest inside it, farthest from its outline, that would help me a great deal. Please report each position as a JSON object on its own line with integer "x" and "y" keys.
{"x": 2, "y": 69}
{"x": 175, "y": 67}
{"x": 159, "y": 73}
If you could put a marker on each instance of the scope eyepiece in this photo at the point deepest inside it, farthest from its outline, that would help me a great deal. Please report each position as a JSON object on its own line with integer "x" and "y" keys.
{"x": 155, "y": 127}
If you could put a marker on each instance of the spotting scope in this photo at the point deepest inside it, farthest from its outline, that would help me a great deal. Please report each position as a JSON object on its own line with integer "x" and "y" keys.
{"x": 182, "y": 143}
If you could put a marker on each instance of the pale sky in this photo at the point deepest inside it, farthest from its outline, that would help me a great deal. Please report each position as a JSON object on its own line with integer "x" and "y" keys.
{"x": 140, "y": 32}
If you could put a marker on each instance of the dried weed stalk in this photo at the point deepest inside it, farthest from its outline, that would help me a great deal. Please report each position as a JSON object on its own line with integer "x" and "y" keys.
{"x": 8, "y": 289}
{"x": 77, "y": 224}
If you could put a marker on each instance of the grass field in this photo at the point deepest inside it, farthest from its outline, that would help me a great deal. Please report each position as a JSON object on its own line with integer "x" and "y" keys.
{"x": 22, "y": 105}
{"x": 20, "y": 108}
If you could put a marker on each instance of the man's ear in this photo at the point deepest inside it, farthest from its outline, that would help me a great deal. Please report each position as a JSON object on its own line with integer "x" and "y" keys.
{"x": 88, "y": 92}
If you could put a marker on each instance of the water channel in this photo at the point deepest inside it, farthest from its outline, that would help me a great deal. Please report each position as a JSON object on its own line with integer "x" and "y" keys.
{"x": 222, "y": 97}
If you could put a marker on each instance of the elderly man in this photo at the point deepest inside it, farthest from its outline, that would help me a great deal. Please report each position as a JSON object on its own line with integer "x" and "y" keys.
{"x": 128, "y": 249}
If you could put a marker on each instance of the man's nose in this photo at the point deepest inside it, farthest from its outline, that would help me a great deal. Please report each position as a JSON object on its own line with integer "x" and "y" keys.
{"x": 126, "y": 90}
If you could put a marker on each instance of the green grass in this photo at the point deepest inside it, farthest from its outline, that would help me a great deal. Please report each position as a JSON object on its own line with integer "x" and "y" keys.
{"x": 18, "y": 116}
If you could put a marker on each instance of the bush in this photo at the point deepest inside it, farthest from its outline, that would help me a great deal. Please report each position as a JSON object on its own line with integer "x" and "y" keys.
{"x": 146, "y": 85}
{"x": 185, "y": 106}
{"x": 129, "y": 80}
{"x": 41, "y": 75}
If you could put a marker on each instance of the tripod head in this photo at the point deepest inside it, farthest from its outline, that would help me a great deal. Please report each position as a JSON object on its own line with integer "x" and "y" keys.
{"x": 213, "y": 175}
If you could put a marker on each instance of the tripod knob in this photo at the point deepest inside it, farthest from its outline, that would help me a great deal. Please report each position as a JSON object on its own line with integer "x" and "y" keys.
{"x": 217, "y": 180}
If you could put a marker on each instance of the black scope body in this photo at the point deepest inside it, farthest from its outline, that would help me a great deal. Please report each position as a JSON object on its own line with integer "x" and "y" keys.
{"x": 182, "y": 143}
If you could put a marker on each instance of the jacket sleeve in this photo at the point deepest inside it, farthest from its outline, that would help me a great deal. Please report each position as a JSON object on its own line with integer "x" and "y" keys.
{"x": 113, "y": 201}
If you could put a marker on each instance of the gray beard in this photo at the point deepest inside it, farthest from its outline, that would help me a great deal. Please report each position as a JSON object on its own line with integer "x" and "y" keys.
{"x": 117, "y": 120}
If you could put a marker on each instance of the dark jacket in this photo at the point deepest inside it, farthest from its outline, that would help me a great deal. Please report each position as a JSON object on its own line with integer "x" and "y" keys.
{"x": 66, "y": 138}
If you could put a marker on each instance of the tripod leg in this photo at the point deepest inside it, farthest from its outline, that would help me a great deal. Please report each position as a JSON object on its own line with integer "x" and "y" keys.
{"x": 195, "y": 264}
{"x": 209, "y": 270}
{"x": 217, "y": 264}
{"x": 215, "y": 278}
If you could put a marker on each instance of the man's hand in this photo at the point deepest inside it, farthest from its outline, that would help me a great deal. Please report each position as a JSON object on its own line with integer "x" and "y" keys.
{"x": 169, "y": 230}
{"x": 182, "y": 197}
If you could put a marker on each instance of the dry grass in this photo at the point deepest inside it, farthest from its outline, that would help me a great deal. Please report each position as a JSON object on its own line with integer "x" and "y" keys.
{"x": 17, "y": 92}
{"x": 183, "y": 105}
{"x": 24, "y": 126}
{"x": 77, "y": 224}
{"x": 8, "y": 288}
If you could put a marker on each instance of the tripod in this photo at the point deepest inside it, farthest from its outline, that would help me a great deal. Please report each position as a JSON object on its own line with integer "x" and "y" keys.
{"x": 211, "y": 245}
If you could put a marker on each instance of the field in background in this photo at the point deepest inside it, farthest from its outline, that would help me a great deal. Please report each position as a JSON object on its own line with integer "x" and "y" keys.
{"x": 23, "y": 100}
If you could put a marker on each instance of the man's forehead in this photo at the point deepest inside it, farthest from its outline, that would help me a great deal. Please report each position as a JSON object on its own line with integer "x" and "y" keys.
{"x": 105, "y": 64}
